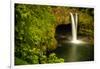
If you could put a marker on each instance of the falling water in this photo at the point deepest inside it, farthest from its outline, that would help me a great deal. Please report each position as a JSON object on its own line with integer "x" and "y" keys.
{"x": 74, "y": 26}
{"x": 73, "y": 50}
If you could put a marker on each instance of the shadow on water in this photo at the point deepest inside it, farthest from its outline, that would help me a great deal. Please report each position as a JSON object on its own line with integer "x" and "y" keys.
{"x": 71, "y": 52}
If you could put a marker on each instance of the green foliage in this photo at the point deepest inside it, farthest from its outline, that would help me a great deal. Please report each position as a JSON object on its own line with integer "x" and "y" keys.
{"x": 33, "y": 27}
{"x": 20, "y": 61}
{"x": 43, "y": 59}
{"x": 53, "y": 59}
{"x": 35, "y": 31}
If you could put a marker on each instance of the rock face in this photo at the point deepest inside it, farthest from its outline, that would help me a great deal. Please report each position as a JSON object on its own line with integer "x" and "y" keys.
{"x": 63, "y": 32}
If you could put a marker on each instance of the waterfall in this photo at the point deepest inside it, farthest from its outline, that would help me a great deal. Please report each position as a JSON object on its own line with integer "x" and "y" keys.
{"x": 74, "y": 20}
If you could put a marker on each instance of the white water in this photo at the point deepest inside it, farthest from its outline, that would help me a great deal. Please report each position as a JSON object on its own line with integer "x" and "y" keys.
{"x": 74, "y": 22}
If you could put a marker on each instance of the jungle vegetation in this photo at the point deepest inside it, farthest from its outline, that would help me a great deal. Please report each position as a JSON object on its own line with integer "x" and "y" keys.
{"x": 35, "y": 30}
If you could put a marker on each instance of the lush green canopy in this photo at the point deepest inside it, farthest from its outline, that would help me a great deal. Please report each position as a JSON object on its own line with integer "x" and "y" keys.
{"x": 35, "y": 30}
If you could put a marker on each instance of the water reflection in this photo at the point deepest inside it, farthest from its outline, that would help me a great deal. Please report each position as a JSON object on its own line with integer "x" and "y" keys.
{"x": 71, "y": 52}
